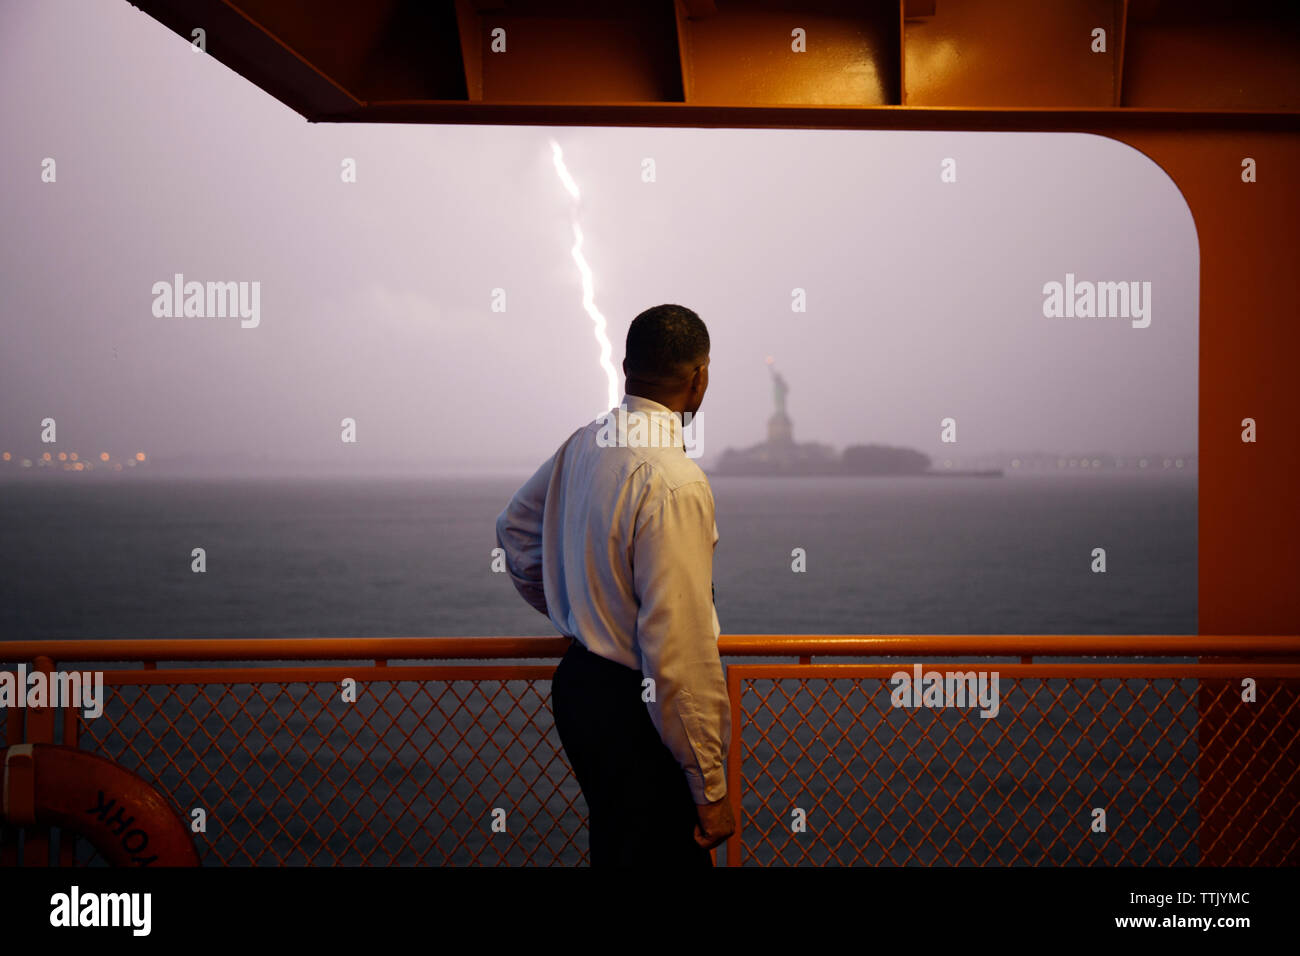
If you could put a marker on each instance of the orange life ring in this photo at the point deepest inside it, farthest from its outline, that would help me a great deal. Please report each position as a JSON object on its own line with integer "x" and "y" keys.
{"x": 123, "y": 817}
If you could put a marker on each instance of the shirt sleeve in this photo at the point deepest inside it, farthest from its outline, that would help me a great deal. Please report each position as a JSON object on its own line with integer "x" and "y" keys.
{"x": 677, "y": 636}
{"x": 519, "y": 535}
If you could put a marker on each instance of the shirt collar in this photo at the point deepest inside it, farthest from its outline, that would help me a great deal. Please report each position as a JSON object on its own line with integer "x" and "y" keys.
{"x": 661, "y": 416}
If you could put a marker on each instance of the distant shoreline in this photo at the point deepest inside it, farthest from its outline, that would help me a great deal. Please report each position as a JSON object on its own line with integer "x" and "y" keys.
{"x": 162, "y": 476}
{"x": 990, "y": 473}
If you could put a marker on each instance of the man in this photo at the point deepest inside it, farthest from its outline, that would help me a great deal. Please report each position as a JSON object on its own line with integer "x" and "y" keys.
{"x": 613, "y": 540}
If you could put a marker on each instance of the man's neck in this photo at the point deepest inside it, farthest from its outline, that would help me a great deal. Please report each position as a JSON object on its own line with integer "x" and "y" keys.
{"x": 673, "y": 401}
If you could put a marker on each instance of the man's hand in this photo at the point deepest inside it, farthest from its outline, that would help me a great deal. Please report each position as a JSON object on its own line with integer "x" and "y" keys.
{"x": 716, "y": 824}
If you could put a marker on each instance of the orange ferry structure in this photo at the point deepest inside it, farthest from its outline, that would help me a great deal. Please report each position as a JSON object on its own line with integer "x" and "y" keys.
{"x": 237, "y": 752}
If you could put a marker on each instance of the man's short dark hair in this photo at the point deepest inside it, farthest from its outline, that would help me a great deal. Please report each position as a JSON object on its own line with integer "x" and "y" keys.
{"x": 665, "y": 341}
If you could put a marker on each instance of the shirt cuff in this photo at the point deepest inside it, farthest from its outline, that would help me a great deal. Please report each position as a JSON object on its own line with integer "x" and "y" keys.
{"x": 707, "y": 790}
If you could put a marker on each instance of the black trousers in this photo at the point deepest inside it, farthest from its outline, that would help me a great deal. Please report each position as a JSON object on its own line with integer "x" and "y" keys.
{"x": 641, "y": 809}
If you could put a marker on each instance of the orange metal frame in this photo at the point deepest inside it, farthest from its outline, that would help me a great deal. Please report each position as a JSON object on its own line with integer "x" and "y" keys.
{"x": 1246, "y": 813}
{"x": 1117, "y": 735}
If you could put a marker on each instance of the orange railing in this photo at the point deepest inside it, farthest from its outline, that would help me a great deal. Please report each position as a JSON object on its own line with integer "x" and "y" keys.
{"x": 1156, "y": 736}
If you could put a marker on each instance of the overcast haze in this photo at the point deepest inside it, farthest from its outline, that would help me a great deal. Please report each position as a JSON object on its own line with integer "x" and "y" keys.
{"x": 924, "y": 298}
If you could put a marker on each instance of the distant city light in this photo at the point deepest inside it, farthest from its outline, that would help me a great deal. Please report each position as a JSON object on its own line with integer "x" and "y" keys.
{"x": 103, "y": 456}
{"x": 139, "y": 456}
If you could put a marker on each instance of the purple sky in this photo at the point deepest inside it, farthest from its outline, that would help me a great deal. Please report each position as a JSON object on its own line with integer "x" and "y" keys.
{"x": 924, "y": 298}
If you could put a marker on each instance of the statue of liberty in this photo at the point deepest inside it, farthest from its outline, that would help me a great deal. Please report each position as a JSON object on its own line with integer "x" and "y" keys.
{"x": 779, "y": 388}
{"x": 780, "y": 430}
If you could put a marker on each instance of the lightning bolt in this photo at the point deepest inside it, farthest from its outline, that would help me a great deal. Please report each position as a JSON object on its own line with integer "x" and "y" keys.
{"x": 588, "y": 285}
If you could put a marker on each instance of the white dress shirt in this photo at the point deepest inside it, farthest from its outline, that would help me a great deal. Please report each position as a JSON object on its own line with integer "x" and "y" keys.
{"x": 615, "y": 545}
